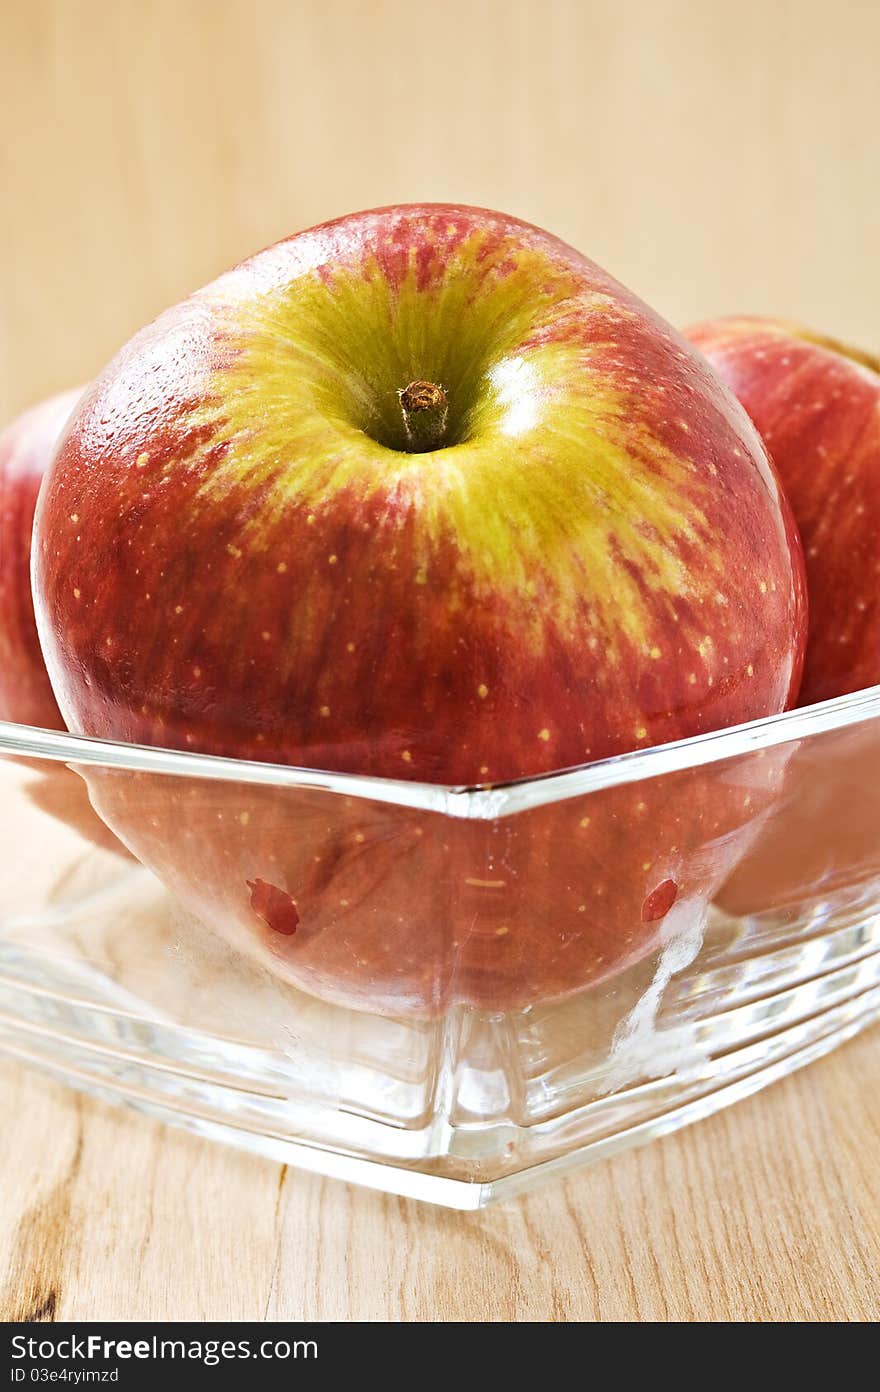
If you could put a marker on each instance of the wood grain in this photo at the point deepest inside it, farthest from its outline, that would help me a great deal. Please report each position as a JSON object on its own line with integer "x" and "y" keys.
{"x": 769, "y": 1211}
{"x": 716, "y": 158}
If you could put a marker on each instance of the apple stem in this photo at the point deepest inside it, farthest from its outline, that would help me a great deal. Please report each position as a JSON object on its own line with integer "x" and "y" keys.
{"x": 425, "y": 408}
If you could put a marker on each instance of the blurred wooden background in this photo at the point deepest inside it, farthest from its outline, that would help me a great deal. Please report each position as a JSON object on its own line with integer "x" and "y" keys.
{"x": 715, "y": 155}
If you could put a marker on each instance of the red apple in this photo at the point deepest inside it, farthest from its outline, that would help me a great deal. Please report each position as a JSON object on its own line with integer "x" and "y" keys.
{"x": 816, "y": 403}
{"x": 421, "y": 493}
{"x": 403, "y": 911}
{"x": 26, "y": 446}
{"x": 25, "y": 449}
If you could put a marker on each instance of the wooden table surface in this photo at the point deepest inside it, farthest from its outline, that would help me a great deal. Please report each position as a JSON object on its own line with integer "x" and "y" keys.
{"x": 716, "y": 158}
{"x": 767, "y": 1211}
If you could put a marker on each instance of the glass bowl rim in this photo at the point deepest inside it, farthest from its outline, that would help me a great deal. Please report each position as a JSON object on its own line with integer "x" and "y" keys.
{"x": 480, "y": 802}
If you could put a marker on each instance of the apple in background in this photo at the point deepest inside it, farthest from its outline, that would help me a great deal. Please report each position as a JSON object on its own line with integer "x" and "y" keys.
{"x": 26, "y": 446}
{"x": 421, "y": 494}
{"x": 816, "y": 403}
{"x": 25, "y": 449}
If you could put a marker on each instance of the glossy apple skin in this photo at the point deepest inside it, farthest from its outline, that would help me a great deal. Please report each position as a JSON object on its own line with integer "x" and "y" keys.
{"x": 404, "y": 912}
{"x": 26, "y": 698}
{"x": 236, "y": 555}
{"x": 225, "y": 564}
{"x": 816, "y": 405}
{"x": 26, "y": 447}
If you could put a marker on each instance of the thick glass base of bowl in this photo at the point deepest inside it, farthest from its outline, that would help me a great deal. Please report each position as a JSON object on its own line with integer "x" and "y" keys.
{"x": 124, "y": 996}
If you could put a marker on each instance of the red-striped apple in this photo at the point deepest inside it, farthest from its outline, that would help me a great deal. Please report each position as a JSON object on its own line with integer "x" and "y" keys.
{"x": 816, "y": 403}
{"x": 424, "y": 494}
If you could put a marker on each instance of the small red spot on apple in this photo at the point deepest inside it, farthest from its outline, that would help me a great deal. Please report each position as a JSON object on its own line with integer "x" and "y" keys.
{"x": 658, "y": 903}
{"x": 274, "y": 906}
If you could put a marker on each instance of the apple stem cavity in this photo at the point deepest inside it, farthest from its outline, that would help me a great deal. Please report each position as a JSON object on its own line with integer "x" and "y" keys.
{"x": 425, "y": 407}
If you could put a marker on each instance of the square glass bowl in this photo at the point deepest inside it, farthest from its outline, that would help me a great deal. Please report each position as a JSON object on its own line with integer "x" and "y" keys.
{"x": 445, "y": 993}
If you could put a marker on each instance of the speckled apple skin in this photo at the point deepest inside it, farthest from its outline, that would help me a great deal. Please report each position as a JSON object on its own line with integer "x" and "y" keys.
{"x": 26, "y": 698}
{"x": 403, "y": 912}
{"x": 816, "y": 405}
{"x": 235, "y": 555}
{"x": 227, "y": 561}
